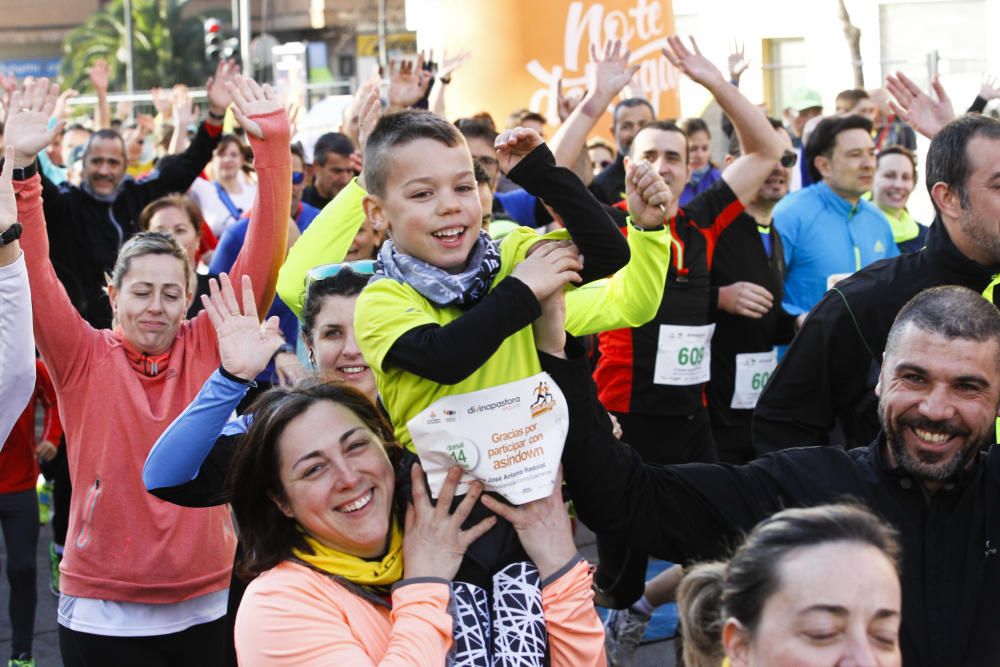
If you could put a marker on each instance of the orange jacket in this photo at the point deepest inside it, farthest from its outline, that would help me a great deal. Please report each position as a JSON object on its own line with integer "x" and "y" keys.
{"x": 295, "y": 616}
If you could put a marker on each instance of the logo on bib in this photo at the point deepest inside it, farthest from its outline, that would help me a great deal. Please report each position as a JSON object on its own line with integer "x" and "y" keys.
{"x": 433, "y": 418}
{"x": 544, "y": 401}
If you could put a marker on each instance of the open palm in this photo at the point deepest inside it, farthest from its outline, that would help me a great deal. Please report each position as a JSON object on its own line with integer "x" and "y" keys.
{"x": 246, "y": 345}
{"x": 27, "y": 128}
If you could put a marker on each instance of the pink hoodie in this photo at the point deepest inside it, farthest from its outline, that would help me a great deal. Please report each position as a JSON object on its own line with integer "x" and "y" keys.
{"x": 124, "y": 544}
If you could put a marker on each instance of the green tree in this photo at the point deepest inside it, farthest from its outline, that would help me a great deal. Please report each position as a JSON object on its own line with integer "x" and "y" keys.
{"x": 168, "y": 46}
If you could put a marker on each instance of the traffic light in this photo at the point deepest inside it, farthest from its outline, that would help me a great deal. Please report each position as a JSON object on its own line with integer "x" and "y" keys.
{"x": 213, "y": 39}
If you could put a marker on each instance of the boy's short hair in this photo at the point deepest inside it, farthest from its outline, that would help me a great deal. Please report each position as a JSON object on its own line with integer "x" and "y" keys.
{"x": 399, "y": 129}
{"x": 850, "y": 98}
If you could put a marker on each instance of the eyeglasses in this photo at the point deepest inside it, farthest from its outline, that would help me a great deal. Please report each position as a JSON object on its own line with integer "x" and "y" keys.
{"x": 298, "y": 177}
{"x": 362, "y": 267}
{"x": 788, "y": 159}
{"x": 604, "y": 164}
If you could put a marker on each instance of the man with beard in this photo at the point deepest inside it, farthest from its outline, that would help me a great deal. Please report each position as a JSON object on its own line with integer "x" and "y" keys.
{"x": 748, "y": 271}
{"x": 928, "y": 474}
{"x": 88, "y": 224}
{"x": 822, "y": 391}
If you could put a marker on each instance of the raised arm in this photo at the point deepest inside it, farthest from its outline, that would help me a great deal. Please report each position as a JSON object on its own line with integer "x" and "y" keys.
{"x": 258, "y": 110}
{"x": 64, "y": 346}
{"x": 609, "y": 74}
{"x": 99, "y": 78}
{"x": 631, "y": 297}
{"x": 245, "y": 347}
{"x": 524, "y": 157}
{"x": 761, "y": 145}
{"x": 17, "y": 354}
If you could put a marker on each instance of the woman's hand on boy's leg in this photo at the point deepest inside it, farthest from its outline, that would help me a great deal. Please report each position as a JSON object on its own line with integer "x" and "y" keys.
{"x": 251, "y": 99}
{"x": 513, "y": 145}
{"x": 550, "y": 268}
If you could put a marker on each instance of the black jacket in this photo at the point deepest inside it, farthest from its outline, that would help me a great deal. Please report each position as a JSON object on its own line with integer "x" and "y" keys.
{"x": 835, "y": 357}
{"x": 85, "y": 234}
{"x": 951, "y": 565}
{"x": 740, "y": 256}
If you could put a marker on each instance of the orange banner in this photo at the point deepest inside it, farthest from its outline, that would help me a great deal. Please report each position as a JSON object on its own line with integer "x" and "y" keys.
{"x": 520, "y": 48}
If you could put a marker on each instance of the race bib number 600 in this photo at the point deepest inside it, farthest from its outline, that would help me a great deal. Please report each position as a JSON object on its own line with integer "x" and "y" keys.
{"x": 684, "y": 355}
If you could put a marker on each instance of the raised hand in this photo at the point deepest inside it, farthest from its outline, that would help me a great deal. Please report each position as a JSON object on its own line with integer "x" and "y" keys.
{"x": 553, "y": 266}
{"x": 738, "y": 62}
{"x": 566, "y": 103}
{"x": 99, "y": 74}
{"x": 217, "y": 87}
{"x": 746, "y": 300}
{"x": 513, "y": 145}
{"x": 543, "y": 527}
{"x": 61, "y": 110}
{"x": 369, "y": 111}
{"x": 647, "y": 195}
{"x": 161, "y": 101}
{"x": 294, "y": 112}
{"x": 245, "y": 343}
{"x": 610, "y": 72}
{"x": 251, "y": 99}
{"x": 433, "y": 540}
{"x": 182, "y": 109}
{"x": 989, "y": 90}
{"x": 27, "y": 127}
{"x": 924, "y": 114}
{"x": 449, "y": 64}
{"x": 407, "y": 84}
{"x": 690, "y": 61}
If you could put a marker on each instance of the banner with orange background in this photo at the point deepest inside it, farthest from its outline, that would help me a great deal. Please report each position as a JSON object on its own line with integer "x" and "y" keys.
{"x": 521, "y": 48}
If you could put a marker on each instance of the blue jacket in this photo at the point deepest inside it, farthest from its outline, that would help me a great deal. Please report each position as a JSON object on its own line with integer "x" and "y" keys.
{"x": 825, "y": 236}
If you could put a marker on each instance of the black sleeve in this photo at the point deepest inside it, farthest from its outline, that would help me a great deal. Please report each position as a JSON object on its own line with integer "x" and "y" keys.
{"x": 681, "y": 513}
{"x": 978, "y": 104}
{"x": 449, "y": 354}
{"x": 176, "y": 173}
{"x": 604, "y": 248}
{"x": 716, "y": 207}
{"x": 208, "y": 489}
{"x": 824, "y": 373}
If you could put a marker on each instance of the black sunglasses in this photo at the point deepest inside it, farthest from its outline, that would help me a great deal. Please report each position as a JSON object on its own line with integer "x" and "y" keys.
{"x": 788, "y": 159}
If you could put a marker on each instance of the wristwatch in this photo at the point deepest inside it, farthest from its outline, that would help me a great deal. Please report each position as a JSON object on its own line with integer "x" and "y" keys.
{"x": 11, "y": 234}
{"x": 24, "y": 173}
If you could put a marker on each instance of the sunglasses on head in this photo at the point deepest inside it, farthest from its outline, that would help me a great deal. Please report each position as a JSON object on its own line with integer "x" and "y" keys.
{"x": 298, "y": 177}
{"x": 362, "y": 267}
{"x": 788, "y": 159}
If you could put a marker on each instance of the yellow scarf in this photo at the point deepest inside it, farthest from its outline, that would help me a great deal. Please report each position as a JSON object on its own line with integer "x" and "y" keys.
{"x": 384, "y": 572}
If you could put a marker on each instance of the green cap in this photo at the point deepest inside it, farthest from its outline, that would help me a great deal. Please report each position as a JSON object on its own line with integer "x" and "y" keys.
{"x": 804, "y": 98}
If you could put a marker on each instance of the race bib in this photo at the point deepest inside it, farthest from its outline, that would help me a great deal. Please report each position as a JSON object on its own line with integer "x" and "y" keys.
{"x": 753, "y": 370}
{"x": 684, "y": 355}
{"x": 835, "y": 278}
{"x": 509, "y": 437}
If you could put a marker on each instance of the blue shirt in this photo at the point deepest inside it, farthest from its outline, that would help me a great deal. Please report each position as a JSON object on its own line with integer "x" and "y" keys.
{"x": 825, "y": 235}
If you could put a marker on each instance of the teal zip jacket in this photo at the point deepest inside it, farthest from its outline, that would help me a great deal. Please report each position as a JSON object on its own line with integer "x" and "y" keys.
{"x": 826, "y": 238}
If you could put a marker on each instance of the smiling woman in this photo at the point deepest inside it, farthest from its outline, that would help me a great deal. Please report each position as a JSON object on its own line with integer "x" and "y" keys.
{"x": 141, "y": 579}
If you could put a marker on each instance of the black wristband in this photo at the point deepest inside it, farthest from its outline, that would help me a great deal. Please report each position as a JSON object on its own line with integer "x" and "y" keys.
{"x": 22, "y": 173}
{"x": 216, "y": 116}
{"x": 11, "y": 234}
{"x": 229, "y": 376}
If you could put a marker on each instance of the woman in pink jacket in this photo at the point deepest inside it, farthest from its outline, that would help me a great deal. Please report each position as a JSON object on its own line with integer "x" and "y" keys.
{"x": 143, "y": 581}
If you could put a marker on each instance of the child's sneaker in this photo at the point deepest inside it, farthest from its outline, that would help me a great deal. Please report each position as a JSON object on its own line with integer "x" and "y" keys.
{"x": 55, "y": 558}
{"x": 44, "y": 489}
{"x": 23, "y": 660}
